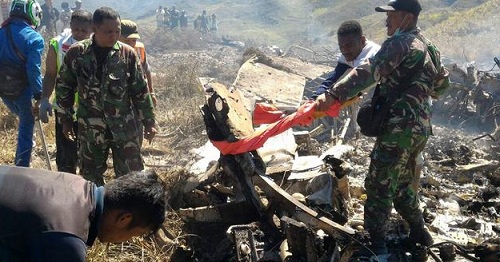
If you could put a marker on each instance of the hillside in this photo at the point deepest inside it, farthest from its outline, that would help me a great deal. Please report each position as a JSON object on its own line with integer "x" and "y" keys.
{"x": 454, "y": 25}
{"x": 471, "y": 34}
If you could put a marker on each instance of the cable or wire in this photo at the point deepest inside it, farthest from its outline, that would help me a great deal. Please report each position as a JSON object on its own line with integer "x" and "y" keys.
{"x": 488, "y": 70}
{"x": 497, "y": 63}
{"x": 352, "y": 238}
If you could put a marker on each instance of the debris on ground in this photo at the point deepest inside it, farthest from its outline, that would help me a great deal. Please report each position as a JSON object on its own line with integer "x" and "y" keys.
{"x": 300, "y": 197}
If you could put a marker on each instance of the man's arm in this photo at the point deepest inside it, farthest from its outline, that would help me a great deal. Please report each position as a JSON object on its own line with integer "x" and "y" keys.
{"x": 49, "y": 82}
{"x": 65, "y": 91}
{"x": 59, "y": 246}
{"x": 141, "y": 98}
{"x": 349, "y": 86}
{"x": 150, "y": 87}
{"x": 34, "y": 63}
{"x": 340, "y": 70}
{"x": 49, "y": 79}
{"x": 441, "y": 81}
{"x": 357, "y": 80}
{"x": 149, "y": 78}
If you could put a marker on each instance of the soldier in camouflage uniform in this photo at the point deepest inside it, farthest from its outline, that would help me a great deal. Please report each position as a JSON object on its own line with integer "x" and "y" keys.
{"x": 405, "y": 58}
{"x": 108, "y": 77}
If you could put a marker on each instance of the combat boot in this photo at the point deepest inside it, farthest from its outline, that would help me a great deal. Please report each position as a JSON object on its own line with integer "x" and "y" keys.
{"x": 420, "y": 235}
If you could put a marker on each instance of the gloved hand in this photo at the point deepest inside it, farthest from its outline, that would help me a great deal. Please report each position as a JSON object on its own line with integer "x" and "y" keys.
{"x": 45, "y": 110}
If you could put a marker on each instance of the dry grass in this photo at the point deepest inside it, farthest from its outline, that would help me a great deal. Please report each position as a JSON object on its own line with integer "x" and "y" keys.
{"x": 181, "y": 126}
{"x": 180, "y": 123}
{"x": 157, "y": 248}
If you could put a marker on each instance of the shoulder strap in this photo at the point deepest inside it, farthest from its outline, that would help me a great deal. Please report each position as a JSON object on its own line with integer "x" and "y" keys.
{"x": 406, "y": 81}
{"x": 11, "y": 41}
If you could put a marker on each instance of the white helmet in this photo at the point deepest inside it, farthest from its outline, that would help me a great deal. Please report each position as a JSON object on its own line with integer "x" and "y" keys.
{"x": 27, "y": 9}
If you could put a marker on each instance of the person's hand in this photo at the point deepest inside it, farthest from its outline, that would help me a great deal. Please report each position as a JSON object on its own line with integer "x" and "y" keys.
{"x": 324, "y": 102}
{"x": 149, "y": 133}
{"x": 45, "y": 110}
{"x": 154, "y": 99}
{"x": 68, "y": 132}
{"x": 35, "y": 110}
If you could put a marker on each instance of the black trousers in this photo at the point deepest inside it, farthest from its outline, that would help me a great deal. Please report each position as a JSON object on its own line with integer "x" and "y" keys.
{"x": 66, "y": 150}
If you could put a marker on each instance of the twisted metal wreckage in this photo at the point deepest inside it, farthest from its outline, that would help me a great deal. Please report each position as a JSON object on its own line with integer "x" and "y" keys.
{"x": 266, "y": 223}
{"x": 473, "y": 99}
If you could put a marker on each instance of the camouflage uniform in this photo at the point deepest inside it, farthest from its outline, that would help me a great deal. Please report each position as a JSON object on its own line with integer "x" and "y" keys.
{"x": 393, "y": 159}
{"x": 106, "y": 118}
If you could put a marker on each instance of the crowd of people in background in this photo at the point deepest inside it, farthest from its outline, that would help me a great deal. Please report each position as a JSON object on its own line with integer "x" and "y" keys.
{"x": 51, "y": 15}
{"x": 172, "y": 18}
{"x": 55, "y": 20}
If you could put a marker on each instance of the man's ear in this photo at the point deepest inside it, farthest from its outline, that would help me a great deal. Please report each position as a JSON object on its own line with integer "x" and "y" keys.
{"x": 412, "y": 16}
{"x": 123, "y": 219}
{"x": 363, "y": 40}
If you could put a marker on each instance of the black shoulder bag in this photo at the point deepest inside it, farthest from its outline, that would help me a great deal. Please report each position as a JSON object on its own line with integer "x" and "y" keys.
{"x": 372, "y": 114}
{"x": 13, "y": 77}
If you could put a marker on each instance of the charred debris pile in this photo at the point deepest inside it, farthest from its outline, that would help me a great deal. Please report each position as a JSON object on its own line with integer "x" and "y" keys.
{"x": 300, "y": 197}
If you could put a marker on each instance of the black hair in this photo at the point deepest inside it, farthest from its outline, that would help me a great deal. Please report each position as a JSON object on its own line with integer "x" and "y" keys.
{"x": 81, "y": 16}
{"x": 103, "y": 13}
{"x": 350, "y": 27}
{"x": 141, "y": 193}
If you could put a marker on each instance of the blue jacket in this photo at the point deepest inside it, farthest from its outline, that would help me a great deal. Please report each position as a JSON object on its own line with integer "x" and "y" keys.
{"x": 30, "y": 43}
{"x": 339, "y": 71}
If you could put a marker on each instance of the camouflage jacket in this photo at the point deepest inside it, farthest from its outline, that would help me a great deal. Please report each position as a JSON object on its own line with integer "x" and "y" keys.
{"x": 113, "y": 98}
{"x": 398, "y": 65}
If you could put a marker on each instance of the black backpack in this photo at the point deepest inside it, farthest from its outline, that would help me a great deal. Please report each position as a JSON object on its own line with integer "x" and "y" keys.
{"x": 13, "y": 77}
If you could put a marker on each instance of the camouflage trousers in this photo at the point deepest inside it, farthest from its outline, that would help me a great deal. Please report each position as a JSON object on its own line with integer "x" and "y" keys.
{"x": 389, "y": 182}
{"x": 95, "y": 144}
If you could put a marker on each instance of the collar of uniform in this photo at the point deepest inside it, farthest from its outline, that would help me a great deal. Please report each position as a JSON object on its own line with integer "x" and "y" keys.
{"x": 95, "y": 218}
{"x": 116, "y": 46}
{"x": 413, "y": 31}
{"x": 410, "y": 31}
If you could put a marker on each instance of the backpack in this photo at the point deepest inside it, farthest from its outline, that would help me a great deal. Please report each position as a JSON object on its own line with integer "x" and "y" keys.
{"x": 373, "y": 113}
{"x": 13, "y": 77}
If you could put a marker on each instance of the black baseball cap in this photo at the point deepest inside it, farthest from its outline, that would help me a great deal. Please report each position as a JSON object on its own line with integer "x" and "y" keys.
{"x": 410, "y": 6}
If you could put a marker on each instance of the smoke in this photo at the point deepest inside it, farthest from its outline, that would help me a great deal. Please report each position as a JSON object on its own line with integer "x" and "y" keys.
{"x": 468, "y": 35}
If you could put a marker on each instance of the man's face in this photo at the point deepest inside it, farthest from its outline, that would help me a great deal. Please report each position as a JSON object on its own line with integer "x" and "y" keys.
{"x": 80, "y": 30}
{"x": 118, "y": 235}
{"x": 107, "y": 33}
{"x": 397, "y": 19}
{"x": 351, "y": 46}
{"x": 114, "y": 227}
